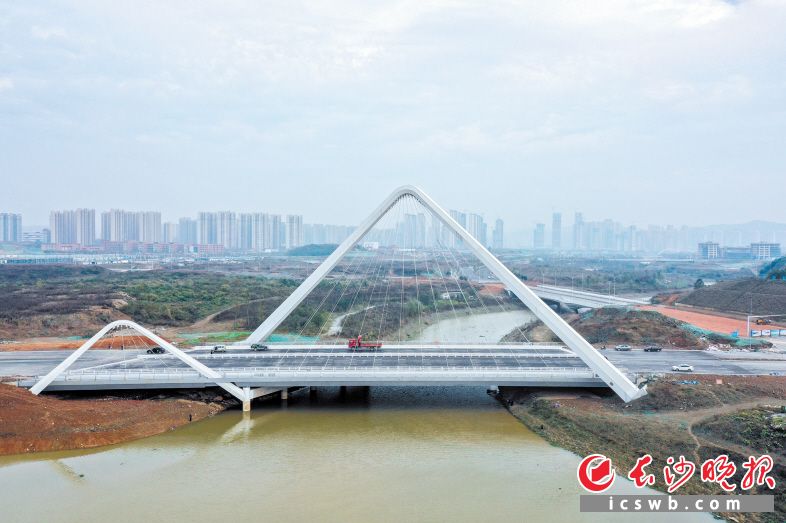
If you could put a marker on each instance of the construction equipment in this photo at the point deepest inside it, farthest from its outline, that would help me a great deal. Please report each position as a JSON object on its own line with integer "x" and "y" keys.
{"x": 359, "y": 344}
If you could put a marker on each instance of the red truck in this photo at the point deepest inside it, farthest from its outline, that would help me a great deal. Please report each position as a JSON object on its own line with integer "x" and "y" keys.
{"x": 359, "y": 344}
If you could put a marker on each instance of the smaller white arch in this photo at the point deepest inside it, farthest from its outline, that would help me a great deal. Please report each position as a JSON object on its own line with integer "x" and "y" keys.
{"x": 201, "y": 368}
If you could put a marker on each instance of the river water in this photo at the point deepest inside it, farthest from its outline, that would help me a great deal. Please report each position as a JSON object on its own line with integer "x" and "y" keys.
{"x": 379, "y": 454}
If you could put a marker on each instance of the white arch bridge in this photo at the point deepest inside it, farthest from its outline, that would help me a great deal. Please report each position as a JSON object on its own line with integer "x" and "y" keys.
{"x": 247, "y": 375}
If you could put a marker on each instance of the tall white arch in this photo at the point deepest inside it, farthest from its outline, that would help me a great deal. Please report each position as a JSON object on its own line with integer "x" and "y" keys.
{"x": 203, "y": 369}
{"x": 610, "y": 375}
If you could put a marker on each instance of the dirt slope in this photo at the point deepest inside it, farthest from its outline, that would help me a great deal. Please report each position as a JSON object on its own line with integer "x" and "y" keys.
{"x": 31, "y": 423}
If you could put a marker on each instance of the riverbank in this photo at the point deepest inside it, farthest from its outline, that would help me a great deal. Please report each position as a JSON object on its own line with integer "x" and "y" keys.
{"x": 696, "y": 417}
{"x": 45, "y": 423}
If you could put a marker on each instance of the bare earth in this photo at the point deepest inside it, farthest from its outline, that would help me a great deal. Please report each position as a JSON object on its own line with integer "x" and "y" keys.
{"x": 31, "y": 423}
{"x": 703, "y": 320}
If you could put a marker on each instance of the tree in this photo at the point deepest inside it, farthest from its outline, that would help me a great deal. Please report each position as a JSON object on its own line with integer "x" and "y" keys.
{"x": 699, "y": 284}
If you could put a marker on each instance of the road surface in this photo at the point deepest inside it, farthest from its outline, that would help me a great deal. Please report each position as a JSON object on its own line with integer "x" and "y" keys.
{"x": 505, "y": 357}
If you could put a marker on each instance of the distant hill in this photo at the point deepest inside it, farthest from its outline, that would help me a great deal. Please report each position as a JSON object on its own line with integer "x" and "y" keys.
{"x": 323, "y": 249}
{"x": 742, "y": 296}
{"x": 612, "y": 325}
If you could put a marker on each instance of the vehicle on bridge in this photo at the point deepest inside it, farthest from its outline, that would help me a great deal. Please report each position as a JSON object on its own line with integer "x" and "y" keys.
{"x": 258, "y": 347}
{"x": 683, "y": 367}
{"x": 155, "y": 350}
{"x": 218, "y": 348}
{"x": 359, "y": 344}
{"x": 653, "y": 348}
{"x": 622, "y": 347}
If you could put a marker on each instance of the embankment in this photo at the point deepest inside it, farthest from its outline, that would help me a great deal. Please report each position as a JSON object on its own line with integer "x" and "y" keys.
{"x": 31, "y": 423}
{"x": 690, "y": 417}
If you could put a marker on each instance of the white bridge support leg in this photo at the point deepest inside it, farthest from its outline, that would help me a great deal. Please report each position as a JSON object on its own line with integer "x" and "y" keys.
{"x": 610, "y": 374}
{"x": 203, "y": 369}
{"x": 251, "y": 394}
{"x": 246, "y": 399}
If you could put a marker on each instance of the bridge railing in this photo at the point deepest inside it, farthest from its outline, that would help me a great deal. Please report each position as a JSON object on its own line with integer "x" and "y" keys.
{"x": 306, "y": 373}
{"x": 388, "y": 355}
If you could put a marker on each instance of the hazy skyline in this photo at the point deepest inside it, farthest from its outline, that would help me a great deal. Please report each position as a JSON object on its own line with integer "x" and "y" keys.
{"x": 666, "y": 112}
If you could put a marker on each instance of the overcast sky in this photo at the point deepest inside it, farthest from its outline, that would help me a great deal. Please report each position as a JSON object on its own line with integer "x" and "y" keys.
{"x": 646, "y": 112}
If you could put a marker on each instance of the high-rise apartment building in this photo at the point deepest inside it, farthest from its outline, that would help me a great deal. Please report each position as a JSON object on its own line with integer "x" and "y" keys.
{"x": 217, "y": 228}
{"x": 61, "y": 225}
{"x": 498, "y": 236}
{"x": 187, "y": 231}
{"x": 412, "y": 231}
{"x": 169, "y": 233}
{"x": 539, "y": 236}
{"x": 556, "y": 231}
{"x": 476, "y": 227}
{"x": 765, "y": 251}
{"x": 10, "y": 227}
{"x": 272, "y": 232}
{"x": 261, "y": 232}
{"x": 73, "y": 227}
{"x": 294, "y": 231}
{"x": 226, "y": 228}
{"x": 118, "y": 225}
{"x": 320, "y": 233}
{"x": 85, "y": 226}
{"x": 206, "y": 228}
{"x": 149, "y": 226}
{"x": 578, "y": 231}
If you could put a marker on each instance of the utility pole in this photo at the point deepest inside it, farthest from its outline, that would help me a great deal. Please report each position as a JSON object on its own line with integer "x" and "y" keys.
{"x": 748, "y": 326}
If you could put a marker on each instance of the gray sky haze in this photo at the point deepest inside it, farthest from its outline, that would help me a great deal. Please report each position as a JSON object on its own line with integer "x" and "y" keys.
{"x": 667, "y": 111}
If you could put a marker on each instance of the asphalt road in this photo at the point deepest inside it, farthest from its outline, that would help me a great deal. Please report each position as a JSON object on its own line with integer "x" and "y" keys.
{"x": 40, "y": 362}
{"x": 32, "y": 363}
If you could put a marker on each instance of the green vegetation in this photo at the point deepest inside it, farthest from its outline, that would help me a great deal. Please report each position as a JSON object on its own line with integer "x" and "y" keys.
{"x": 751, "y": 428}
{"x": 180, "y": 298}
{"x": 58, "y": 294}
{"x": 638, "y": 327}
{"x": 602, "y": 275}
{"x": 775, "y": 270}
{"x": 313, "y": 249}
{"x": 741, "y": 296}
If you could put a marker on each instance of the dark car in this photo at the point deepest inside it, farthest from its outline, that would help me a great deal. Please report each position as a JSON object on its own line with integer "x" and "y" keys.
{"x": 653, "y": 348}
{"x": 258, "y": 347}
{"x": 155, "y": 350}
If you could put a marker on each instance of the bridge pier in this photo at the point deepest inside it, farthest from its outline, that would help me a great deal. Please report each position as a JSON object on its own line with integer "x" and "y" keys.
{"x": 250, "y": 394}
{"x": 284, "y": 394}
{"x": 247, "y": 399}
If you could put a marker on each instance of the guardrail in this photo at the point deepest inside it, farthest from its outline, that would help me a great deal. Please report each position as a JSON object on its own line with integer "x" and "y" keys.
{"x": 309, "y": 373}
{"x": 366, "y": 354}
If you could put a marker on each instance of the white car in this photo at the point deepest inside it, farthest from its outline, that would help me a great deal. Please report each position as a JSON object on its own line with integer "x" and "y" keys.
{"x": 622, "y": 347}
{"x": 218, "y": 348}
{"x": 682, "y": 368}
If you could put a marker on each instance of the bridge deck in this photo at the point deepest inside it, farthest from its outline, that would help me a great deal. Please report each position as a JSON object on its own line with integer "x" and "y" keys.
{"x": 302, "y": 365}
{"x": 409, "y": 364}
